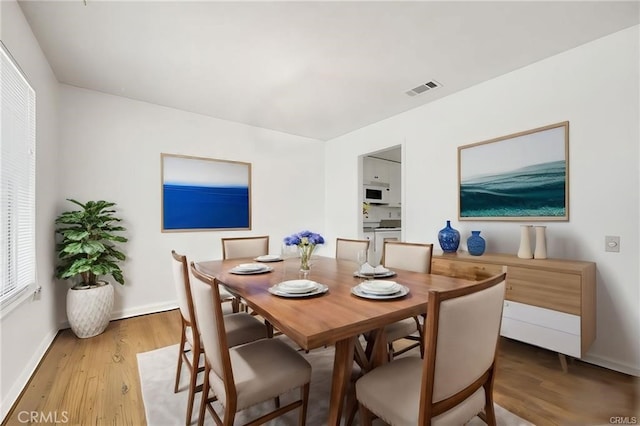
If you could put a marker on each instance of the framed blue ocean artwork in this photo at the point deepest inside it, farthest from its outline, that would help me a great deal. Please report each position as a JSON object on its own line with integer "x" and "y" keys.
{"x": 519, "y": 177}
{"x": 204, "y": 194}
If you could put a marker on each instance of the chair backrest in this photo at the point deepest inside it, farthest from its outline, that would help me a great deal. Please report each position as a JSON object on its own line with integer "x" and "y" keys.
{"x": 461, "y": 340}
{"x": 348, "y": 249}
{"x": 206, "y": 296}
{"x": 413, "y": 257}
{"x": 183, "y": 287}
{"x": 235, "y": 248}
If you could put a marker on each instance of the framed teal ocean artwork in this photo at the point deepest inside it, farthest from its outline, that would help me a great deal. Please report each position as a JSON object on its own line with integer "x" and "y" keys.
{"x": 204, "y": 194}
{"x": 518, "y": 177}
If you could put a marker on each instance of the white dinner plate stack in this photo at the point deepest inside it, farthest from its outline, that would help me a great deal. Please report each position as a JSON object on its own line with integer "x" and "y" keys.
{"x": 268, "y": 258}
{"x": 379, "y": 289}
{"x": 298, "y": 288}
{"x": 250, "y": 268}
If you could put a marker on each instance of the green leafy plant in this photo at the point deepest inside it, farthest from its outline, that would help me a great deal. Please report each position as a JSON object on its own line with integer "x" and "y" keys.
{"x": 88, "y": 247}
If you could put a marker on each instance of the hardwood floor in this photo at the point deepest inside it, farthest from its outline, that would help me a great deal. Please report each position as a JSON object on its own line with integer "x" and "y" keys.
{"x": 95, "y": 381}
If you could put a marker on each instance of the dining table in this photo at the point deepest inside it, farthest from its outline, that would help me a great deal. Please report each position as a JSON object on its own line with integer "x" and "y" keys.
{"x": 335, "y": 316}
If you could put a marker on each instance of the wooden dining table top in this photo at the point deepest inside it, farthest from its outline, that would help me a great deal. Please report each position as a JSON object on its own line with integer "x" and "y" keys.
{"x": 332, "y": 316}
{"x": 336, "y": 317}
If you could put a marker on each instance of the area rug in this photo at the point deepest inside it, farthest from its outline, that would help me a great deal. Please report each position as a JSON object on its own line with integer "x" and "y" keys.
{"x": 165, "y": 408}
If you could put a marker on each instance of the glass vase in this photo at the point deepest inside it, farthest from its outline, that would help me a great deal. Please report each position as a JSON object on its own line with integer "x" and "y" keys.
{"x": 305, "y": 259}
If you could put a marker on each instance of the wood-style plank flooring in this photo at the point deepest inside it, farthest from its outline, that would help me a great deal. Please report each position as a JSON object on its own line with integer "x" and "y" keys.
{"x": 95, "y": 381}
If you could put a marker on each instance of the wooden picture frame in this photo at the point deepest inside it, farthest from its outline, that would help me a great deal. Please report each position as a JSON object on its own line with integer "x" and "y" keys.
{"x": 204, "y": 194}
{"x": 518, "y": 177}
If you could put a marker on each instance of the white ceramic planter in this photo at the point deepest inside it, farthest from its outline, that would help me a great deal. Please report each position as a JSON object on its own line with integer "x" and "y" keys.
{"x": 89, "y": 309}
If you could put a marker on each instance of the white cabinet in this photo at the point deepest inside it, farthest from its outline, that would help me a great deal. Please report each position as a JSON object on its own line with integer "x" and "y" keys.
{"x": 375, "y": 170}
{"x": 371, "y": 237}
{"x": 383, "y": 235}
{"x": 395, "y": 189}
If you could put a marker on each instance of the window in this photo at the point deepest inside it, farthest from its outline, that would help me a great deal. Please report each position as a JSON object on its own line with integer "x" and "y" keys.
{"x": 17, "y": 181}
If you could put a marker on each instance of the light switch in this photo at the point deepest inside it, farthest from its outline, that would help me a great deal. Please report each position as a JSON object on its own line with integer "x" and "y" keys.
{"x": 612, "y": 243}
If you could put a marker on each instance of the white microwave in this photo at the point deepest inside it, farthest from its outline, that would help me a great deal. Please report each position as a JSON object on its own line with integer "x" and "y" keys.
{"x": 376, "y": 193}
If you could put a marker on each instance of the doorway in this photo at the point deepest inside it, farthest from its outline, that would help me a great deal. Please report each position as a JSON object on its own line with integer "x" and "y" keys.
{"x": 381, "y": 214}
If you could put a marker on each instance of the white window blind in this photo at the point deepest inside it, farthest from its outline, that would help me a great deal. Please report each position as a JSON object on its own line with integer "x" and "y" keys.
{"x": 17, "y": 180}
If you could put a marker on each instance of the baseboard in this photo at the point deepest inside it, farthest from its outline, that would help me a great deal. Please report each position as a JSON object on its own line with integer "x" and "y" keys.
{"x": 21, "y": 382}
{"x": 144, "y": 310}
{"x": 610, "y": 364}
{"x": 134, "y": 312}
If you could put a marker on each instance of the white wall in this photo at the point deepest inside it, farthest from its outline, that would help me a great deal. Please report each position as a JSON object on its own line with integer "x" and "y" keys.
{"x": 595, "y": 87}
{"x": 111, "y": 150}
{"x": 27, "y": 330}
{"x": 109, "y": 147}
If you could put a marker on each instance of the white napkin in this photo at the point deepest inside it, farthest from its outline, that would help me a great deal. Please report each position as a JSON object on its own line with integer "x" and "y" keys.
{"x": 370, "y": 270}
{"x": 367, "y": 269}
{"x": 380, "y": 270}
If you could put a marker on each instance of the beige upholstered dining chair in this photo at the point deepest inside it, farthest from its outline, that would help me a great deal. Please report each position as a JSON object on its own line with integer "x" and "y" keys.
{"x": 347, "y": 249}
{"x": 244, "y": 375}
{"x": 241, "y": 327}
{"x": 413, "y": 257}
{"x": 454, "y": 381}
{"x": 239, "y": 247}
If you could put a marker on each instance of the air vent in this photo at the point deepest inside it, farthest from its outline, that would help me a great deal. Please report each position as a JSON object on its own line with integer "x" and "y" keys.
{"x": 423, "y": 88}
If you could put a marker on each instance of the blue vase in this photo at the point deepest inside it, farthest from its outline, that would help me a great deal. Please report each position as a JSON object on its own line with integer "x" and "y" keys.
{"x": 476, "y": 244}
{"x": 449, "y": 238}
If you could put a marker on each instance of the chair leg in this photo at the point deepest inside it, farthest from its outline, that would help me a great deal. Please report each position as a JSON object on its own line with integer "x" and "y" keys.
{"x": 269, "y": 329}
{"x": 304, "y": 396}
{"x": 276, "y": 401}
{"x": 366, "y": 416}
{"x": 421, "y": 336}
{"x": 192, "y": 384}
{"x": 183, "y": 338}
{"x": 205, "y": 397}
{"x": 351, "y": 409}
{"x": 489, "y": 415}
{"x": 391, "y": 351}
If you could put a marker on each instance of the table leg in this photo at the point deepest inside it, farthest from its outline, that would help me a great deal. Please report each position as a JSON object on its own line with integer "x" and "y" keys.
{"x": 342, "y": 365}
{"x": 377, "y": 349}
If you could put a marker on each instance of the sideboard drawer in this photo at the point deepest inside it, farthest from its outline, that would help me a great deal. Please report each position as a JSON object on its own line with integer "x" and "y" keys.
{"x": 546, "y": 289}
{"x": 467, "y": 270}
{"x": 542, "y": 327}
{"x": 542, "y": 317}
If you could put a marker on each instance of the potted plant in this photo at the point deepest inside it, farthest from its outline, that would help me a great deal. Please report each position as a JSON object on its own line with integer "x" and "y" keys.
{"x": 87, "y": 251}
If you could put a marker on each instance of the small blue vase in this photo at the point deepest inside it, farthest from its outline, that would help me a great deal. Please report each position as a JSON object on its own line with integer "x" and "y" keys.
{"x": 476, "y": 244}
{"x": 449, "y": 238}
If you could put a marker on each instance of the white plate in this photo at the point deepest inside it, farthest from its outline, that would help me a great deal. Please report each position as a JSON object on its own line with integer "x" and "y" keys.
{"x": 358, "y": 292}
{"x": 268, "y": 258}
{"x": 379, "y": 287}
{"x": 375, "y": 275}
{"x": 251, "y": 271}
{"x": 296, "y": 286}
{"x": 248, "y": 267}
{"x": 320, "y": 288}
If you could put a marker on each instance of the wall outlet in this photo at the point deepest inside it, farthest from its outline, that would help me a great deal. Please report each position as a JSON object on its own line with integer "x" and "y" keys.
{"x": 612, "y": 243}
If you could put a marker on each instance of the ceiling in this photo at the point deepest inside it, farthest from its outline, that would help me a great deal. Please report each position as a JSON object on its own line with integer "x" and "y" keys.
{"x": 314, "y": 69}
